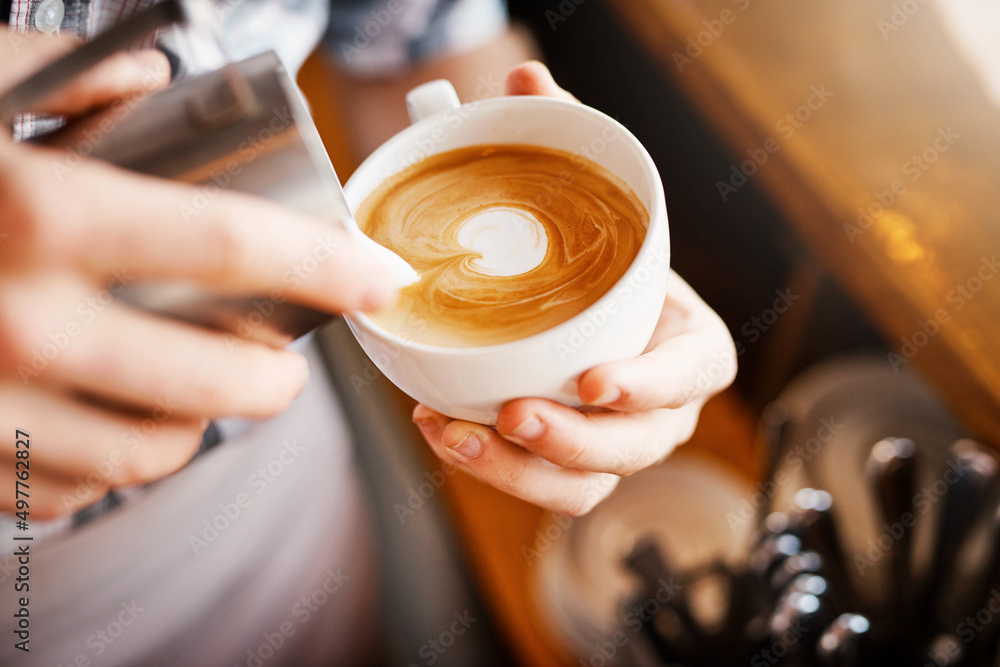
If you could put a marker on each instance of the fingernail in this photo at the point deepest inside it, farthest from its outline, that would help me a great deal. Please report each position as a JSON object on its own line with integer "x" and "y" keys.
{"x": 470, "y": 446}
{"x": 428, "y": 424}
{"x": 379, "y": 293}
{"x": 150, "y": 62}
{"x": 402, "y": 274}
{"x": 608, "y": 397}
{"x": 530, "y": 429}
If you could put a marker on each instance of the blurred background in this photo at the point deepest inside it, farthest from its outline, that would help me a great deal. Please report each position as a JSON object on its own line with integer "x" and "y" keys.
{"x": 830, "y": 172}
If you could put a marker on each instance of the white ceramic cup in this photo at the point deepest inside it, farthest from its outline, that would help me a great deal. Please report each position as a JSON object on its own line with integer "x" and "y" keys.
{"x": 473, "y": 383}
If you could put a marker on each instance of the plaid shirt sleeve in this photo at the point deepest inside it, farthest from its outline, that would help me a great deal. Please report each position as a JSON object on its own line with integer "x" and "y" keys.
{"x": 81, "y": 17}
{"x": 380, "y": 38}
{"x": 242, "y": 20}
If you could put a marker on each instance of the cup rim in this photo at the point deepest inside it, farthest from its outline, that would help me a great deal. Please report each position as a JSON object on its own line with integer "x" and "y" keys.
{"x": 657, "y": 203}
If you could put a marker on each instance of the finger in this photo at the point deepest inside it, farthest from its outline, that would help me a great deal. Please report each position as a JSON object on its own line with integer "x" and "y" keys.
{"x": 50, "y": 496}
{"x": 691, "y": 356}
{"x": 534, "y": 78}
{"x": 502, "y": 464}
{"x": 101, "y": 448}
{"x": 672, "y": 375}
{"x": 155, "y": 229}
{"x": 69, "y": 337}
{"x": 609, "y": 442}
{"x": 122, "y": 75}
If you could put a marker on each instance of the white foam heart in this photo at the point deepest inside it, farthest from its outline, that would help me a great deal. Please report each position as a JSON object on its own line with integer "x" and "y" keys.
{"x": 509, "y": 240}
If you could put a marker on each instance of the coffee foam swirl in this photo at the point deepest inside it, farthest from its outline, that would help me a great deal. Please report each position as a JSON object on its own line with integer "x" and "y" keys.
{"x": 509, "y": 240}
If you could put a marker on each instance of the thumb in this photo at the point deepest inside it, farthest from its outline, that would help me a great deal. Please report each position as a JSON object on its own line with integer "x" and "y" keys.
{"x": 534, "y": 78}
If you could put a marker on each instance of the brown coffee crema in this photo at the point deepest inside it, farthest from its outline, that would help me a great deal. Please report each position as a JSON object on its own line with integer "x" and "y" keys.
{"x": 572, "y": 224}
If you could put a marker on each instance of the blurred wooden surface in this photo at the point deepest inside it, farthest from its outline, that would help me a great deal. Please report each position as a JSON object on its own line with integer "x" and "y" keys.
{"x": 317, "y": 84}
{"x": 494, "y": 526}
{"x": 883, "y": 102}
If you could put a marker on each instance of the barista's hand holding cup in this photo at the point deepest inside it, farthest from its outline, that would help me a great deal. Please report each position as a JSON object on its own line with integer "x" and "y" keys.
{"x": 539, "y": 229}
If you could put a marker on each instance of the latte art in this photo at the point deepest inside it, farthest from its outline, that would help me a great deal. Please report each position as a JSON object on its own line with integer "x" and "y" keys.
{"x": 509, "y": 240}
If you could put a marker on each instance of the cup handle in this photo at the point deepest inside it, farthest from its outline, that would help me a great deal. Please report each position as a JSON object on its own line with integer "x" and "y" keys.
{"x": 430, "y": 98}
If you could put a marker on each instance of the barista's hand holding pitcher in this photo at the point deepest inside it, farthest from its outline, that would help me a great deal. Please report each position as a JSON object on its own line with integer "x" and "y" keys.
{"x": 118, "y": 396}
{"x": 568, "y": 460}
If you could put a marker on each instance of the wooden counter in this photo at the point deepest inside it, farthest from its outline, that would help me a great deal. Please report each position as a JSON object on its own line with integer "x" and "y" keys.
{"x": 877, "y": 143}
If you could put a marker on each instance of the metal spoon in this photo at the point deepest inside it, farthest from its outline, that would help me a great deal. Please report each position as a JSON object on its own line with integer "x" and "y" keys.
{"x": 983, "y": 642}
{"x": 775, "y": 425}
{"x": 770, "y": 552}
{"x": 813, "y": 521}
{"x": 891, "y": 470}
{"x": 800, "y": 613}
{"x": 962, "y": 504}
{"x": 805, "y": 562}
{"x": 843, "y": 642}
